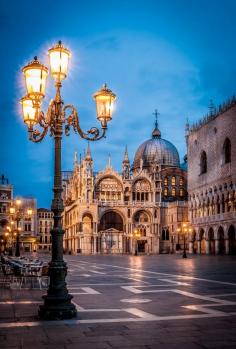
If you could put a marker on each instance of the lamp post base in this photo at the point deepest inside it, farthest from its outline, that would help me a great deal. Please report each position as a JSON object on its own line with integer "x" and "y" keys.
{"x": 57, "y": 308}
{"x": 184, "y": 254}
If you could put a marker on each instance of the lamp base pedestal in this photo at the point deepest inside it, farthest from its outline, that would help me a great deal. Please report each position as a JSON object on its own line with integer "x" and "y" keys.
{"x": 57, "y": 308}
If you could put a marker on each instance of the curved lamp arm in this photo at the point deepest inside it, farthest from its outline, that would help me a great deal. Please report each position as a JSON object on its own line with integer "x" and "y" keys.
{"x": 34, "y": 134}
{"x": 72, "y": 120}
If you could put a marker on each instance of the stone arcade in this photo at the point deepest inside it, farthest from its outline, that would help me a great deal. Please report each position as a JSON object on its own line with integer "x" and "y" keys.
{"x": 212, "y": 181}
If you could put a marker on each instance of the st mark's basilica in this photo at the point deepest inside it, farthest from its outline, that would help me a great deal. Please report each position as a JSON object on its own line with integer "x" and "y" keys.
{"x": 139, "y": 209}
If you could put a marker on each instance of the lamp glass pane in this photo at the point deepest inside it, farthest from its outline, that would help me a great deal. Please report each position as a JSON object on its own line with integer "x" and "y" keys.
{"x": 104, "y": 106}
{"x": 59, "y": 64}
{"x": 29, "y": 112}
{"x": 35, "y": 81}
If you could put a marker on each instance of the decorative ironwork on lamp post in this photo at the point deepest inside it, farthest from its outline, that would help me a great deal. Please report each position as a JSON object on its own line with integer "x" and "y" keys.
{"x": 184, "y": 229}
{"x": 57, "y": 302}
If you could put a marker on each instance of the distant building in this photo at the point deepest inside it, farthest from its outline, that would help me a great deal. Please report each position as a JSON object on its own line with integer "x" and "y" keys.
{"x": 212, "y": 181}
{"x": 104, "y": 209}
{"x": 6, "y": 196}
{"x": 45, "y": 224}
{"x": 28, "y": 225}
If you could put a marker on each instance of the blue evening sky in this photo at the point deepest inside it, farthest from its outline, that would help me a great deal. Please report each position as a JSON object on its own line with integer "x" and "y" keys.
{"x": 173, "y": 55}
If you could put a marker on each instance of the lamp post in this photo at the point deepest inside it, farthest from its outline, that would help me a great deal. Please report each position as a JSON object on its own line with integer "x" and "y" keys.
{"x": 57, "y": 302}
{"x": 17, "y": 212}
{"x": 184, "y": 229}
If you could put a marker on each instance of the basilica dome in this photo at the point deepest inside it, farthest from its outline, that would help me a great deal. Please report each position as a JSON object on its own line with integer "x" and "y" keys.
{"x": 156, "y": 150}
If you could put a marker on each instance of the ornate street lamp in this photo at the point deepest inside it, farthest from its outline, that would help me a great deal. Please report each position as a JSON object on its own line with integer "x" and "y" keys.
{"x": 57, "y": 302}
{"x": 184, "y": 229}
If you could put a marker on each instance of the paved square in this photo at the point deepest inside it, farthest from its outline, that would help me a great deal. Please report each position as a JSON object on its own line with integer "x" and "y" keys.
{"x": 132, "y": 302}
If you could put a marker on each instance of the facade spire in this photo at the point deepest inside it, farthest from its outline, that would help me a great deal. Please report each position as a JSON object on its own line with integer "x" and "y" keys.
{"x": 126, "y": 155}
{"x": 75, "y": 160}
{"x": 109, "y": 161}
{"x": 88, "y": 153}
{"x": 126, "y": 165}
{"x": 156, "y": 132}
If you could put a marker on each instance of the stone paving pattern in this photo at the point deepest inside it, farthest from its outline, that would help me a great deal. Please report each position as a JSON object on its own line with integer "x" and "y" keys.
{"x": 165, "y": 285}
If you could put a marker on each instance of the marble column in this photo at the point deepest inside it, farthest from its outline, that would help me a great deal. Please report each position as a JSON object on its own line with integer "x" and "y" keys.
{"x": 190, "y": 247}
{"x": 226, "y": 246}
{"x": 207, "y": 247}
{"x": 199, "y": 246}
{"x": 217, "y": 246}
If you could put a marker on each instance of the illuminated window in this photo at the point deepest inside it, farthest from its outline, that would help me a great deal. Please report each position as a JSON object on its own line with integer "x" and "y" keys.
{"x": 181, "y": 192}
{"x": 165, "y": 191}
{"x": 173, "y": 192}
{"x": 181, "y": 182}
{"x": 173, "y": 180}
{"x": 165, "y": 181}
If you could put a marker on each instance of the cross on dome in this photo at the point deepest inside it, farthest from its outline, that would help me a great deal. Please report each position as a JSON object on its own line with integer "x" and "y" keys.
{"x": 156, "y": 132}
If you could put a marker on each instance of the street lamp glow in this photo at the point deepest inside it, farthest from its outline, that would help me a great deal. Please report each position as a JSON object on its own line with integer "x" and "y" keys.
{"x": 29, "y": 211}
{"x": 12, "y": 210}
{"x": 104, "y": 99}
{"x": 59, "y": 61}
{"x": 18, "y": 202}
{"x": 35, "y": 79}
{"x": 30, "y": 111}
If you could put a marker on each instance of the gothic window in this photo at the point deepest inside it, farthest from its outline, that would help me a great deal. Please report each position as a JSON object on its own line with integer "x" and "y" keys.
{"x": 181, "y": 192}
{"x": 173, "y": 192}
{"x": 163, "y": 234}
{"x": 181, "y": 182}
{"x": 165, "y": 181}
{"x": 227, "y": 151}
{"x": 223, "y": 204}
{"x": 218, "y": 205}
{"x": 167, "y": 234}
{"x": 141, "y": 189}
{"x": 165, "y": 191}
{"x": 173, "y": 180}
{"x": 203, "y": 162}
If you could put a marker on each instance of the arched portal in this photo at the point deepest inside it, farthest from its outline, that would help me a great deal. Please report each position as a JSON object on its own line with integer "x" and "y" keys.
{"x": 85, "y": 243}
{"x": 232, "y": 240}
{"x": 221, "y": 240}
{"x": 111, "y": 219}
{"x": 111, "y": 229}
{"x": 142, "y": 222}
